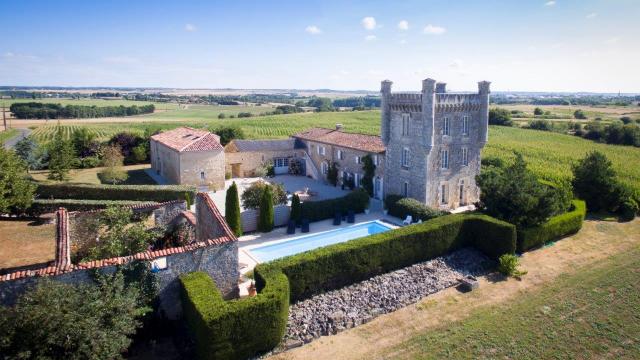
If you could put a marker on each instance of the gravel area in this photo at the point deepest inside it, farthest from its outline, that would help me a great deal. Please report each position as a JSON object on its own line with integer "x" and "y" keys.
{"x": 334, "y": 311}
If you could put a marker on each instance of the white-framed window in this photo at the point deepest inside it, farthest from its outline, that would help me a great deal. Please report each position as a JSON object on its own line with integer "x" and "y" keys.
{"x": 465, "y": 125}
{"x": 357, "y": 180}
{"x": 201, "y": 175}
{"x": 358, "y": 160}
{"x": 325, "y": 168}
{"x": 465, "y": 156}
{"x": 406, "y": 124}
{"x": 340, "y": 155}
{"x": 461, "y": 199}
{"x": 444, "y": 157}
{"x": 375, "y": 160}
{"x": 446, "y": 126}
{"x": 321, "y": 150}
{"x": 281, "y": 162}
{"x": 405, "y": 157}
{"x": 405, "y": 189}
{"x": 443, "y": 194}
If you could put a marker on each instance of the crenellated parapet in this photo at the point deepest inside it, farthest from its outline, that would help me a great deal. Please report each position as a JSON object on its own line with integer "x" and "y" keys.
{"x": 458, "y": 102}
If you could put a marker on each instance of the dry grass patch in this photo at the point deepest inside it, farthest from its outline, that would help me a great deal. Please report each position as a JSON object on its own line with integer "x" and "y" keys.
{"x": 26, "y": 242}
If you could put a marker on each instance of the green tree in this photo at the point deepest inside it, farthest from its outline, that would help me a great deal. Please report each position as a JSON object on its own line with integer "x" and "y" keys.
{"x": 34, "y": 155}
{"x": 332, "y": 173}
{"x": 228, "y": 133}
{"x": 83, "y": 142}
{"x": 369, "y": 169}
{"x": 56, "y": 320}
{"x": 60, "y": 157}
{"x": 112, "y": 160}
{"x": 265, "y": 222}
{"x": 296, "y": 209}
{"x": 538, "y": 111}
{"x": 252, "y": 196}
{"x": 579, "y": 114}
{"x": 515, "y": 195}
{"x": 16, "y": 191}
{"x": 232, "y": 209}
{"x": 500, "y": 116}
{"x": 594, "y": 181}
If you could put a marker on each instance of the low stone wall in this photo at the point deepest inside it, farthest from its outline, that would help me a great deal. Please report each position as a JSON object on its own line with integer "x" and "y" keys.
{"x": 249, "y": 218}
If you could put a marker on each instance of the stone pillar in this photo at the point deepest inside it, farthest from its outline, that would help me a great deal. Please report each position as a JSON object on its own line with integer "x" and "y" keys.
{"x": 428, "y": 112}
{"x": 484, "y": 91}
{"x": 385, "y": 111}
{"x": 63, "y": 247}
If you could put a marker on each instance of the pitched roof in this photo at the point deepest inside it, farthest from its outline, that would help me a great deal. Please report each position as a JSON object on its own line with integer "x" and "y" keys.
{"x": 264, "y": 145}
{"x": 363, "y": 142}
{"x": 184, "y": 139}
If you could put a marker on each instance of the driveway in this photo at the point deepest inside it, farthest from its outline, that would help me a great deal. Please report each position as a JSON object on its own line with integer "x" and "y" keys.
{"x": 291, "y": 184}
{"x": 22, "y": 133}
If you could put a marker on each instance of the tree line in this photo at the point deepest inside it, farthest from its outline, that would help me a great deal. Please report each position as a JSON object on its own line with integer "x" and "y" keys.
{"x": 36, "y": 110}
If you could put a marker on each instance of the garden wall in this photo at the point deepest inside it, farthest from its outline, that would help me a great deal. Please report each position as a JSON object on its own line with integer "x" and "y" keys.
{"x": 249, "y": 217}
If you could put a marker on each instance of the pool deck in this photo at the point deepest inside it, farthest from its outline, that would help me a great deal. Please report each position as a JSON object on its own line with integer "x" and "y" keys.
{"x": 247, "y": 262}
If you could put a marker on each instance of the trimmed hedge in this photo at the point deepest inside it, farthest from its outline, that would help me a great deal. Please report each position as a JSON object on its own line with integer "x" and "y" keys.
{"x": 342, "y": 264}
{"x": 158, "y": 193}
{"x": 247, "y": 327}
{"x": 357, "y": 200}
{"x": 557, "y": 227}
{"x": 236, "y": 329}
{"x": 42, "y": 206}
{"x": 400, "y": 207}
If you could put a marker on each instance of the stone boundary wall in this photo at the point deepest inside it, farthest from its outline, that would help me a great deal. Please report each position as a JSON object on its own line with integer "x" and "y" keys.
{"x": 249, "y": 217}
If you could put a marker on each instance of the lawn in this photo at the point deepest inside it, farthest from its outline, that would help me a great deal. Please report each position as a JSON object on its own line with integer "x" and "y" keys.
{"x": 26, "y": 242}
{"x": 594, "y": 313}
{"x": 137, "y": 176}
{"x": 7, "y": 134}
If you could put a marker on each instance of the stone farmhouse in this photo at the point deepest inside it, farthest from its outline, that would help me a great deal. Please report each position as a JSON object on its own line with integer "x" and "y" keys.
{"x": 428, "y": 149}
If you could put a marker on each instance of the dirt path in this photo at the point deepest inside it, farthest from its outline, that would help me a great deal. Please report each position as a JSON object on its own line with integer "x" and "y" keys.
{"x": 597, "y": 240}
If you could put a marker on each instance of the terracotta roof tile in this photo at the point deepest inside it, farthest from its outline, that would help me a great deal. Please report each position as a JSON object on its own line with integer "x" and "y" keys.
{"x": 185, "y": 139}
{"x": 363, "y": 142}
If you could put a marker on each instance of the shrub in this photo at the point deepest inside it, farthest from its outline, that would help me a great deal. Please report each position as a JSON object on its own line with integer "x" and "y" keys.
{"x": 538, "y": 111}
{"x": 159, "y": 193}
{"x": 357, "y": 200}
{"x": 595, "y": 182}
{"x": 401, "y": 207}
{"x": 342, "y": 264}
{"x": 369, "y": 169}
{"x": 555, "y": 228}
{"x": 544, "y": 125}
{"x": 628, "y": 210}
{"x": 332, "y": 174}
{"x": 252, "y": 196}
{"x": 236, "y": 329}
{"x": 500, "y": 116}
{"x": 508, "y": 265}
{"x": 232, "y": 209}
{"x": 42, "y": 206}
{"x": 579, "y": 114}
{"x": 296, "y": 209}
{"x": 265, "y": 221}
{"x": 16, "y": 191}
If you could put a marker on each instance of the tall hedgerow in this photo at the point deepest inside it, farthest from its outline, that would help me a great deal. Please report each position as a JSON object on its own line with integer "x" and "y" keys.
{"x": 265, "y": 222}
{"x": 232, "y": 209}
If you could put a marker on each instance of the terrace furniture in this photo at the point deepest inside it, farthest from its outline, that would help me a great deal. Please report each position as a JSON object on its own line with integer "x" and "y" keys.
{"x": 408, "y": 220}
{"x": 351, "y": 217}
{"x": 291, "y": 227}
{"x": 337, "y": 219}
{"x": 305, "y": 225}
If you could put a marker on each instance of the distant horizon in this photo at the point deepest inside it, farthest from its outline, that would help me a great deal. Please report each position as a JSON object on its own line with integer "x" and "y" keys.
{"x": 540, "y": 45}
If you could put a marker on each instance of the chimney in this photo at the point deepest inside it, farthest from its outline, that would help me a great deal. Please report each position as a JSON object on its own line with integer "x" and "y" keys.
{"x": 338, "y": 127}
{"x": 441, "y": 88}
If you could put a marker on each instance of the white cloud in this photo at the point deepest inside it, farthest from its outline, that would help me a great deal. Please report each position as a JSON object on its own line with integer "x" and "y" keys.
{"x": 403, "y": 25}
{"x": 370, "y": 38}
{"x": 369, "y": 23}
{"x": 121, "y": 59}
{"x": 403, "y": 41}
{"x": 550, "y": 3}
{"x": 313, "y": 30}
{"x": 434, "y": 30}
{"x": 190, "y": 27}
{"x": 456, "y": 64}
{"x": 9, "y": 54}
{"x": 612, "y": 40}
{"x": 591, "y": 16}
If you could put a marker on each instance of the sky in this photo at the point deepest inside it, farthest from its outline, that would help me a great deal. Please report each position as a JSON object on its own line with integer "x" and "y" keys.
{"x": 523, "y": 45}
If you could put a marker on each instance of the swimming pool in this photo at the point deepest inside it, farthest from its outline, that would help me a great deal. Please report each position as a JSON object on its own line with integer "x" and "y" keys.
{"x": 269, "y": 252}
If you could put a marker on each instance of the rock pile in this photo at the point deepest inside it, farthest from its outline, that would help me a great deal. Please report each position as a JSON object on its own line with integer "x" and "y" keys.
{"x": 334, "y": 311}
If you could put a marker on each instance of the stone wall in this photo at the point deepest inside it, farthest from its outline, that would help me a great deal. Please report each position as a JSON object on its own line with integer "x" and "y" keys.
{"x": 193, "y": 163}
{"x": 249, "y": 217}
{"x": 249, "y": 161}
{"x": 165, "y": 162}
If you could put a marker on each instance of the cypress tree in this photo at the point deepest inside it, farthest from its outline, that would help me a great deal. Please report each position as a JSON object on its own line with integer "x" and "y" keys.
{"x": 232, "y": 210}
{"x": 296, "y": 209}
{"x": 265, "y": 222}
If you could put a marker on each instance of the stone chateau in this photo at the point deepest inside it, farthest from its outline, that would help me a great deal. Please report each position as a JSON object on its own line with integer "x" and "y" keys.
{"x": 429, "y": 149}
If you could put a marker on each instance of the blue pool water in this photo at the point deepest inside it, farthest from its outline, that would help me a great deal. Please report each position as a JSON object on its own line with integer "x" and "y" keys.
{"x": 309, "y": 242}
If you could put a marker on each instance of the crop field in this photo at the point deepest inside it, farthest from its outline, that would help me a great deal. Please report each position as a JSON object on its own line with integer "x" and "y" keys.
{"x": 90, "y": 102}
{"x": 606, "y": 113}
{"x": 207, "y": 112}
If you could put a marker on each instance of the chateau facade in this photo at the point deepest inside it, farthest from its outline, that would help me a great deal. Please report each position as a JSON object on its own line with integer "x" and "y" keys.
{"x": 433, "y": 141}
{"x": 428, "y": 149}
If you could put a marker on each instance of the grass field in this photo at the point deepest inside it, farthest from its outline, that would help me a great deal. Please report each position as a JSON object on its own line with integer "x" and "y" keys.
{"x": 606, "y": 113}
{"x": 90, "y": 102}
{"x": 594, "y": 313}
{"x": 136, "y": 173}
{"x": 8, "y": 134}
{"x": 26, "y": 242}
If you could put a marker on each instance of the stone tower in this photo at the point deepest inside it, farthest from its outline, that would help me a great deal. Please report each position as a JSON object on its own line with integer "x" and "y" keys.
{"x": 433, "y": 141}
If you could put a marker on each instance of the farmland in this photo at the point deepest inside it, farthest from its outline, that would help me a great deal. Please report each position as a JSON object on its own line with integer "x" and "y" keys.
{"x": 90, "y": 102}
